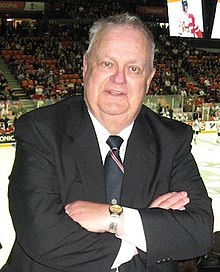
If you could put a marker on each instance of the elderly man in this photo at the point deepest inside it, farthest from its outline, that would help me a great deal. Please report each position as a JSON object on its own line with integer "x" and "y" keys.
{"x": 101, "y": 182}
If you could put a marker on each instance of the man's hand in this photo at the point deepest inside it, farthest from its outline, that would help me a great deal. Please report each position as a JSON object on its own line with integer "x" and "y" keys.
{"x": 92, "y": 216}
{"x": 173, "y": 200}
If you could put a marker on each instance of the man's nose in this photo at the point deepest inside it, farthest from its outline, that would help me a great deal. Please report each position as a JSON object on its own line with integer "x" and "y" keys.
{"x": 119, "y": 76}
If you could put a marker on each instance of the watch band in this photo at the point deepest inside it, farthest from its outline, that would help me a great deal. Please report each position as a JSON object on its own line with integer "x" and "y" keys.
{"x": 114, "y": 223}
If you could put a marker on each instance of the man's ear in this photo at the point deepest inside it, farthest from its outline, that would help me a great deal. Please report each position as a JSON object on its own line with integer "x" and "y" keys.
{"x": 85, "y": 64}
{"x": 150, "y": 79}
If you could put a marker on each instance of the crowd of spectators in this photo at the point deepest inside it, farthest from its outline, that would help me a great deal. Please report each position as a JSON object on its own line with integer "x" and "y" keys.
{"x": 47, "y": 59}
{"x": 89, "y": 10}
{"x": 3, "y": 87}
{"x": 6, "y": 92}
{"x": 9, "y": 112}
{"x": 46, "y": 66}
{"x": 187, "y": 71}
{"x": 179, "y": 73}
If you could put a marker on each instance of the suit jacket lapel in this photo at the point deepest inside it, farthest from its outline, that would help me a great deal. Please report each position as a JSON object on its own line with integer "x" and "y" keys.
{"x": 85, "y": 152}
{"x": 140, "y": 164}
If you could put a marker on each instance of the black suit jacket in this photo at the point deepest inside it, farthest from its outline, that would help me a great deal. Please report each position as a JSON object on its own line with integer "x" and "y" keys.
{"x": 58, "y": 161}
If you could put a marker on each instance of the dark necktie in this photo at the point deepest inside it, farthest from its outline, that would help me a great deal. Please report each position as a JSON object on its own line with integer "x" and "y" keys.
{"x": 113, "y": 170}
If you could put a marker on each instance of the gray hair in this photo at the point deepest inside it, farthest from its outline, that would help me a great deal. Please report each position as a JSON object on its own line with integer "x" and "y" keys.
{"x": 120, "y": 19}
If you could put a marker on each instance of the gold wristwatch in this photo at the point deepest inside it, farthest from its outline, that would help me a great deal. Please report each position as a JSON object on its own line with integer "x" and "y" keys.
{"x": 115, "y": 212}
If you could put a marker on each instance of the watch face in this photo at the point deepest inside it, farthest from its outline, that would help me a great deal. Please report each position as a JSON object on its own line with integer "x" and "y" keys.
{"x": 117, "y": 209}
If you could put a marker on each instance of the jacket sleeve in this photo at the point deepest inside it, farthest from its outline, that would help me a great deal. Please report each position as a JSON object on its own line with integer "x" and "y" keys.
{"x": 44, "y": 231}
{"x": 178, "y": 235}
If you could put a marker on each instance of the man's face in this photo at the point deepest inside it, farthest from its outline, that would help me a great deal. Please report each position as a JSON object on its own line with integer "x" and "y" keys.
{"x": 117, "y": 74}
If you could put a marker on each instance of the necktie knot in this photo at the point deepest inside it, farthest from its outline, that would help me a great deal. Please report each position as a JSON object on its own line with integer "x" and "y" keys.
{"x": 114, "y": 141}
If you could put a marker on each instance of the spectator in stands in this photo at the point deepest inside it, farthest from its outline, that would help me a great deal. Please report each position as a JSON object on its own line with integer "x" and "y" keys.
{"x": 57, "y": 186}
{"x": 183, "y": 92}
{"x": 4, "y": 93}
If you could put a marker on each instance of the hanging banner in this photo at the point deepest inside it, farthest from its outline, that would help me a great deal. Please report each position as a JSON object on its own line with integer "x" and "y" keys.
{"x": 11, "y": 6}
{"x": 157, "y": 11}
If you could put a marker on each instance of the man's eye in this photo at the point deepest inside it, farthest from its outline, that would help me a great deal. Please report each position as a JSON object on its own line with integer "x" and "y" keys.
{"x": 106, "y": 64}
{"x": 134, "y": 69}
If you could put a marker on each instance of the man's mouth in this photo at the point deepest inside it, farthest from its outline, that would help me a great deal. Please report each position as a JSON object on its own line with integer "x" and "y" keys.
{"x": 115, "y": 93}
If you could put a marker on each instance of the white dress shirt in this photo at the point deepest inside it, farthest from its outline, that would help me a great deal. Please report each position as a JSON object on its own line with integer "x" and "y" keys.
{"x": 133, "y": 228}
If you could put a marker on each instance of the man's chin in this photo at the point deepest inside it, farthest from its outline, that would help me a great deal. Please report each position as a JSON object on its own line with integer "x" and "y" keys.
{"x": 114, "y": 111}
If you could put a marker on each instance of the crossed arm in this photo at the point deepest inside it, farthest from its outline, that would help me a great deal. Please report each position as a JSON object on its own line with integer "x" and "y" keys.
{"x": 95, "y": 216}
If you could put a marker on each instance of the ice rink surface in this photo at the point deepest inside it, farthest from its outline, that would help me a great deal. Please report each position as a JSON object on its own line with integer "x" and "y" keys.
{"x": 206, "y": 153}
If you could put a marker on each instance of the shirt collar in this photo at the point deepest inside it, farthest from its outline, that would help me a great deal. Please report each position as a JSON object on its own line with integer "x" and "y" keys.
{"x": 103, "y": 134}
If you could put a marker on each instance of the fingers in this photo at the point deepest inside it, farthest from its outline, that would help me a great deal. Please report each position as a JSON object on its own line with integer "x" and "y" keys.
{"x": 76, "y": 207}
{"x": 67, "y": 207}
{"x": 172, "y": 200}
{"x": 161, "y": 199}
